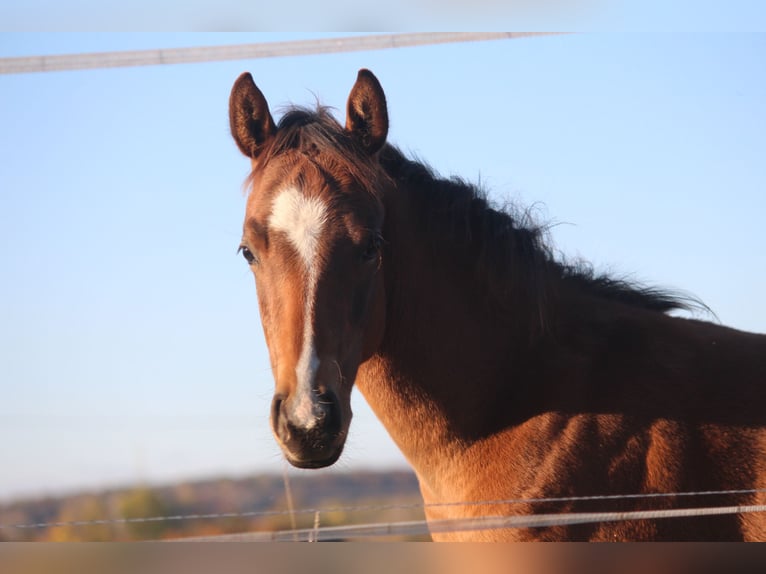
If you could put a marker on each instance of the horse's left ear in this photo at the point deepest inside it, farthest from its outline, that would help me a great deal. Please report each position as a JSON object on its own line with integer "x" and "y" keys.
{"x": 366, "y": 112}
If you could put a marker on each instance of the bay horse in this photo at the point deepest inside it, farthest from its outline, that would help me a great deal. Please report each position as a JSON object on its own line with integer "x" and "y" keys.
{"x": 501, "y": 372}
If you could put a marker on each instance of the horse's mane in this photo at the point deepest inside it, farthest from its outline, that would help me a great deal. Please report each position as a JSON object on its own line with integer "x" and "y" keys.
{"x": 506, "y": 245}
{"x": 513, "y": 251}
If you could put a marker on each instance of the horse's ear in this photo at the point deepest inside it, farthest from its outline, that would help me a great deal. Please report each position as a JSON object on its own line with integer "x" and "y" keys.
{"x": 249, "y": 116}
{"x": 366, "y": 112}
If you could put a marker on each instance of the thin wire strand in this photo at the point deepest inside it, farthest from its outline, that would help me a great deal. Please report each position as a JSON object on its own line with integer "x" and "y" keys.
{"x": 378, "y": 508}
{"x": 418, "y": 527}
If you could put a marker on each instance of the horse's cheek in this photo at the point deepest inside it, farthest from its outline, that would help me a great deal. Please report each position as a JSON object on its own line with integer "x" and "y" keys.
{"x": 267, "y": 310}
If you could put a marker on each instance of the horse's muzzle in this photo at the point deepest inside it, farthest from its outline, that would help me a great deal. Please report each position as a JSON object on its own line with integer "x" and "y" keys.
{"x": 309, "y": 441}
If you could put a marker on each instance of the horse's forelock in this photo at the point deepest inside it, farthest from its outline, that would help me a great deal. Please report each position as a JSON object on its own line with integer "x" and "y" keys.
{"x": 321, "y": 139}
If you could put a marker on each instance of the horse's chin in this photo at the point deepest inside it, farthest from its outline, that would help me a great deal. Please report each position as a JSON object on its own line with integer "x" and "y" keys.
{"x": 311, "y": 463}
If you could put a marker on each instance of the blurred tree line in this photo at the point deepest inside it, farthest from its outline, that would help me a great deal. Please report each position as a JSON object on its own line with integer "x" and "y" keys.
{"x": 152, "y": 512}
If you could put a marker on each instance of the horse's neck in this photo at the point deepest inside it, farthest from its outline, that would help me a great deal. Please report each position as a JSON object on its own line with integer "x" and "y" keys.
{"x": 468, "y": 400}
{"x": 455, "y": 366}
{"x": 446, "y": 351}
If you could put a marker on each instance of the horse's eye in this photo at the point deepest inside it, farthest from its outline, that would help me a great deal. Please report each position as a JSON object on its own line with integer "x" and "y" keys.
{"x": 247, "y": 254}
{"x": 372, "y": 249}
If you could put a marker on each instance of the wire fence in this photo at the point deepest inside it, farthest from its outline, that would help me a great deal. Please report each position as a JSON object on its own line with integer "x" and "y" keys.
{"x": 423, "y": 527}
{"x": 454, "y": 525}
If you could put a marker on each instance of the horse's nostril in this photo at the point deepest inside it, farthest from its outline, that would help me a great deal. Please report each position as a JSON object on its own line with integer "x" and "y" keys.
{"x": 322, "y": 418}
{"x": 276, "y": 407}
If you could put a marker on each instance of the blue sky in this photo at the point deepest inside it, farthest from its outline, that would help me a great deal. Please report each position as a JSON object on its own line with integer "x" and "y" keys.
{"x": 130, "y": 344}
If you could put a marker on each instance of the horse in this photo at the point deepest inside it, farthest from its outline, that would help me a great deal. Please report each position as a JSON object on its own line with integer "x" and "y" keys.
{"x": 514, "y": 382}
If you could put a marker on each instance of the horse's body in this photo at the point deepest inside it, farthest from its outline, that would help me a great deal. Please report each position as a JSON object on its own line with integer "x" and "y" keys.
{"x": 501, "y": 373}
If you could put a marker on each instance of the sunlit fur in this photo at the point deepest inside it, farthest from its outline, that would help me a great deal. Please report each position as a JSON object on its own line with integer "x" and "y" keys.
{"x": 501, "y": 372}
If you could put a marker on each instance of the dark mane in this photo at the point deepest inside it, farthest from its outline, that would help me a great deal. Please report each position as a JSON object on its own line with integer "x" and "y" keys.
{"x": 503, "y": 241}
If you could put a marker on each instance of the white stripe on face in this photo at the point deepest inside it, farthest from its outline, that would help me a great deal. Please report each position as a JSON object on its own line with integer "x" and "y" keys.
{"x": 302, "y": 219}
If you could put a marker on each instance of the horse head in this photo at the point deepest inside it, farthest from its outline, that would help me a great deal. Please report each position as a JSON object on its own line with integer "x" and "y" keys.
{"x": 313, "y": 240}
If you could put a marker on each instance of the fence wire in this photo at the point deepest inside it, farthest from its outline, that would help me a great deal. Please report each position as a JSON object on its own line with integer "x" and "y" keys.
{"x": 452, "y": 525}
{"x": 56, "y": 63}
{"x": 420, "y": 527}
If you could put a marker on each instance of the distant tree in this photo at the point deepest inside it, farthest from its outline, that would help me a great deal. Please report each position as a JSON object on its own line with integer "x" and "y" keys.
{"x": 143, "y": 503}
{"x": 90, "y": 511}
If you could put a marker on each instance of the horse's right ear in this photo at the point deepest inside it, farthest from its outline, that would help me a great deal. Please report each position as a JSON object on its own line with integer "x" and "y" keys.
{"x": 249, "y": 116}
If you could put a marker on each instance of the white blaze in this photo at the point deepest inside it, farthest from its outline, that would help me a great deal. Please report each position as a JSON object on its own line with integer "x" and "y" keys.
{"x": 302, "y": 219}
